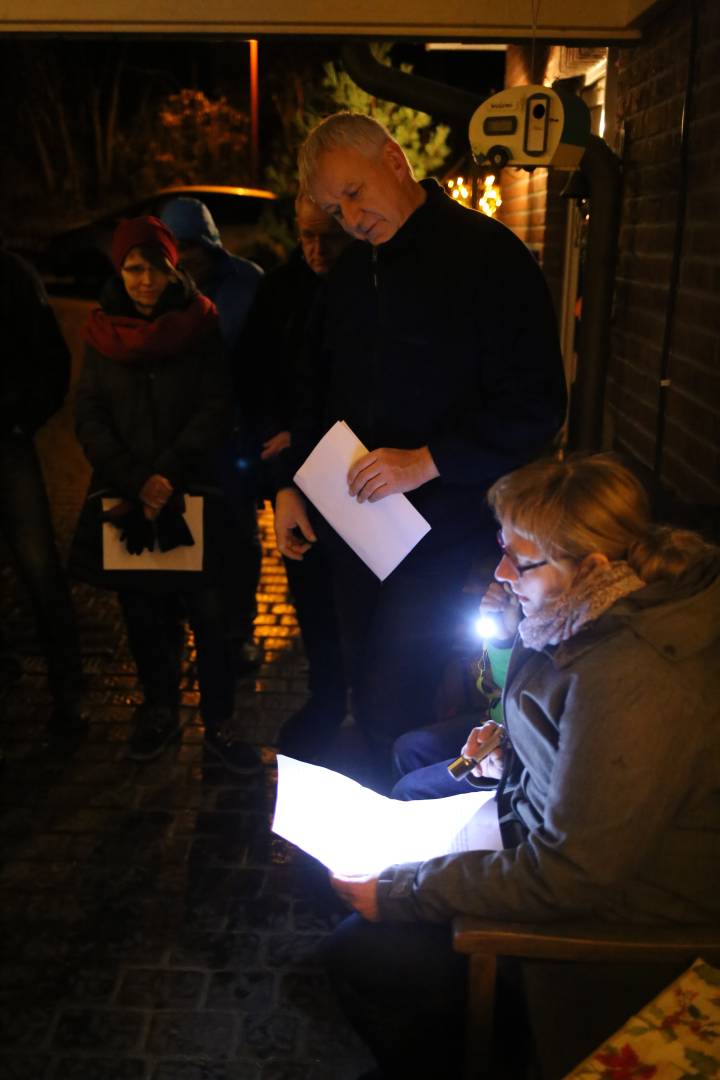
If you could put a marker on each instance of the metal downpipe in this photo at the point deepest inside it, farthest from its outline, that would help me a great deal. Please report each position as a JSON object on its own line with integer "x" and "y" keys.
{"x": 600, "y": 168}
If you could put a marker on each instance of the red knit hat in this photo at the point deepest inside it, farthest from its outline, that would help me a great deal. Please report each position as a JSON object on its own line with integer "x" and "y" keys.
{"x": 133, "y": 232}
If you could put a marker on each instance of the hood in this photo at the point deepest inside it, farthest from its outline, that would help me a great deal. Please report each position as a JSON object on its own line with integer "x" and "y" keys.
{"x": 682, "y": 618}
{"x": 191, "y": 222}
{"x": 678, "y": 619}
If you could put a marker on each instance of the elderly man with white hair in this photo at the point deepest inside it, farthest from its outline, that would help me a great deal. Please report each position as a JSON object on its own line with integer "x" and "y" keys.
{"x": 436, "y": 342}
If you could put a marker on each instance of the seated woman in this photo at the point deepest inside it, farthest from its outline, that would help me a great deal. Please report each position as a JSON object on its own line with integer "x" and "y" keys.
{"x": 609, "y": 802}
{"x": 152, "y": 407}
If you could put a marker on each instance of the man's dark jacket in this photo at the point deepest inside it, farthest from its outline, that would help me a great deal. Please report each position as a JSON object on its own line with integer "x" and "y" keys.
{"x": 445, "y": 336}
{"x": 35, "y": 365}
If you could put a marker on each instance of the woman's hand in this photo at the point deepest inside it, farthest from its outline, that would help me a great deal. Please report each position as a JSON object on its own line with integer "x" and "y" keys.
{"x": 492, "y": 765}
{"x": 154, "y": 493}
{"x": 503, "y": 607}
{"x": 359, "y": 893}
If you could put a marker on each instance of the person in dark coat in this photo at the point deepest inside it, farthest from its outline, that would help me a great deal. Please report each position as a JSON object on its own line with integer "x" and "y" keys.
{"x": 231, "y": 283}
{"x": 436, "y": 342}
{"x": 273, "y": 349}
{"x": 152, "y": 407}
{"x": 34, "y": 379}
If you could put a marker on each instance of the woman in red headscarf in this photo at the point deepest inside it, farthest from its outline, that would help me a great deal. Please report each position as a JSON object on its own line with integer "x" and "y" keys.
{"x": 152, "y": 408}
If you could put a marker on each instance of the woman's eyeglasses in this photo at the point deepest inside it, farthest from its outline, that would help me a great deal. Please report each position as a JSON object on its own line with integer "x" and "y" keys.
{"x": 519, "y": 570}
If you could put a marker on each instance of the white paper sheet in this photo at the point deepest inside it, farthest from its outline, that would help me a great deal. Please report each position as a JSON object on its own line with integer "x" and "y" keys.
{"x": 353, "y": 830}
{"x": 380, "y": 533}
{"x": 117, "y": 557}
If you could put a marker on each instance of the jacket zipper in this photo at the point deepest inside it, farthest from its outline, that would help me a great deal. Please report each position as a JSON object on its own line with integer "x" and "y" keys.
{"x": 375, "y": 357}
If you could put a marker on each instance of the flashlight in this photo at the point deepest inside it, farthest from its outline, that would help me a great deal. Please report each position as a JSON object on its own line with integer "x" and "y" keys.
{"x": 463, "y": 765}
{"x": 487, "y": 627}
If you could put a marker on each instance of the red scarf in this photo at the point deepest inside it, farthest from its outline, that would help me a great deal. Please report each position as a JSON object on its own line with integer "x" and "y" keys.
{"x": 123, "y": 337}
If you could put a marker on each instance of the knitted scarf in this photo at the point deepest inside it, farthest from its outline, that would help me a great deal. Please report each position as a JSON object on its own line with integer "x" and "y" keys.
{"x": 133, "y": 339}
{"x": 592, "y": 592}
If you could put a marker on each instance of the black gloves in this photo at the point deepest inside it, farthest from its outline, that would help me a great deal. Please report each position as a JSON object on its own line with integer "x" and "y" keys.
{"x": 136, "y": 530}
{"x": 172, "y": 529}
{"x": 139, "y": 533}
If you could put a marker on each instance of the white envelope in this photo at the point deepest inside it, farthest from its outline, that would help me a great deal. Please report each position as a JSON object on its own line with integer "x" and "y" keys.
{"x": 117, "y": 557}
{"x": 380, "y": 533}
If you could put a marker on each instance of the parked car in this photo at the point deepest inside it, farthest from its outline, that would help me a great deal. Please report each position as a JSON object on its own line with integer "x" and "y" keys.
{"x": 78, "y": 260}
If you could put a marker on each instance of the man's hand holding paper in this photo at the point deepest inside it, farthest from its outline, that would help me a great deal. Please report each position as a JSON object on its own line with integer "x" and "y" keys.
{"x": 385, "y": 472}
{"x": 381, "y": 534}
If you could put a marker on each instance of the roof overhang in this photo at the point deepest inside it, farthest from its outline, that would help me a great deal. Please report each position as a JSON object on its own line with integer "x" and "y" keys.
{"x": 611, "y": 21}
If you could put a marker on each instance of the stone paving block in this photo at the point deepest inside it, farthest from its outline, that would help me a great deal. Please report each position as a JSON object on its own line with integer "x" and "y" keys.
{"x": 267, "y": 912}
{"x": 206, "y": 1070}
{"x": 331, "y": 1039}
{"x": 104, "y": 1030}
{"x": 34, "y": 875}
{"x": 250, "y": 991}
{"x": 85, "y": 1068}
{"x": 284, "y": 950}
{"x": 214, "y": 951}
{"x": 285, "y": 1070}
{"x": 210, "y": 1033}
{"x": 148, "y": 988}
{"x": 275, "y": 1034}
{"x": 322, "y": 912}
{"x": 24, "y": 1026}
{"x": 26, "y": 1067}
{"x": 51, "y": 985}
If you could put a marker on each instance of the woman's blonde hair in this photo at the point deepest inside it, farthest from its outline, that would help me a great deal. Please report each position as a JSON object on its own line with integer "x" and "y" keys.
{"x": 583, "y": 505}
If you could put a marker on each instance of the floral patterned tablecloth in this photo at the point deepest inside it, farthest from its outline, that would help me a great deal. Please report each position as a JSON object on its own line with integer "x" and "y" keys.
{"x": 675, "y": 1037}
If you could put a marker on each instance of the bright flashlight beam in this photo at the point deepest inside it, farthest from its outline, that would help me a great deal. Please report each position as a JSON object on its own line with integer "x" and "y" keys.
{"x": 486, "y": 627}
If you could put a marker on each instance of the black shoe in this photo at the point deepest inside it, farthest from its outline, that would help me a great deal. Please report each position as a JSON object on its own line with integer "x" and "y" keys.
{"x": 155, "y": 728}
{"x": 238, "y": 756}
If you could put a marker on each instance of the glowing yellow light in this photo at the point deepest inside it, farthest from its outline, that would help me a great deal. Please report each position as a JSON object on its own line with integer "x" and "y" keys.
{"x": 488, "y": 200}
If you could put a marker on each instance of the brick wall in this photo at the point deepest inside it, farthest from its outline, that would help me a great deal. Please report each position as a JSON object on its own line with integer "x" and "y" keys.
{"x": 524, "y": 194}
{"x": 531, "y": 205}
{"x": 651, "y": 86}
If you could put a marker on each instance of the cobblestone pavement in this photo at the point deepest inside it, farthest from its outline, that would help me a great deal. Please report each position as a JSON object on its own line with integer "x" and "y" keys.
{"x": 151, "y": 927}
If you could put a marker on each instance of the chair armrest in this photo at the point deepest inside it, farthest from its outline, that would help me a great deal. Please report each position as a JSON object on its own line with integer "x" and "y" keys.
{"x": 586, "y": 941}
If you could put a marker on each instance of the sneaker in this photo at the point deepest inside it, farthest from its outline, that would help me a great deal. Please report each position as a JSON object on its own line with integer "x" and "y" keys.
{"x": 238, "y": 756}
{"x": 155, "y": 728}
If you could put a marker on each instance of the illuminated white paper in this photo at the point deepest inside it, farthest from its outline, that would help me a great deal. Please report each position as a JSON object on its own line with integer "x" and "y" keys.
{"x": 380, "y": 533}
{"x": 353, "y": 830}
{"x": 185, "y": 557}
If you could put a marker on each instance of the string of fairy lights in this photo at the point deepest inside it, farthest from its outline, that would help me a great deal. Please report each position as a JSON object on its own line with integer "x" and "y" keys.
{"x": 488, "y": 195}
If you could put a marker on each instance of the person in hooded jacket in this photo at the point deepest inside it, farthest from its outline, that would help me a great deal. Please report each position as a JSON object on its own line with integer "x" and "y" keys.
{"x": 231, "y": 283}
{"x": 608, "y": 806}
{"x": 152, "y": 407}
